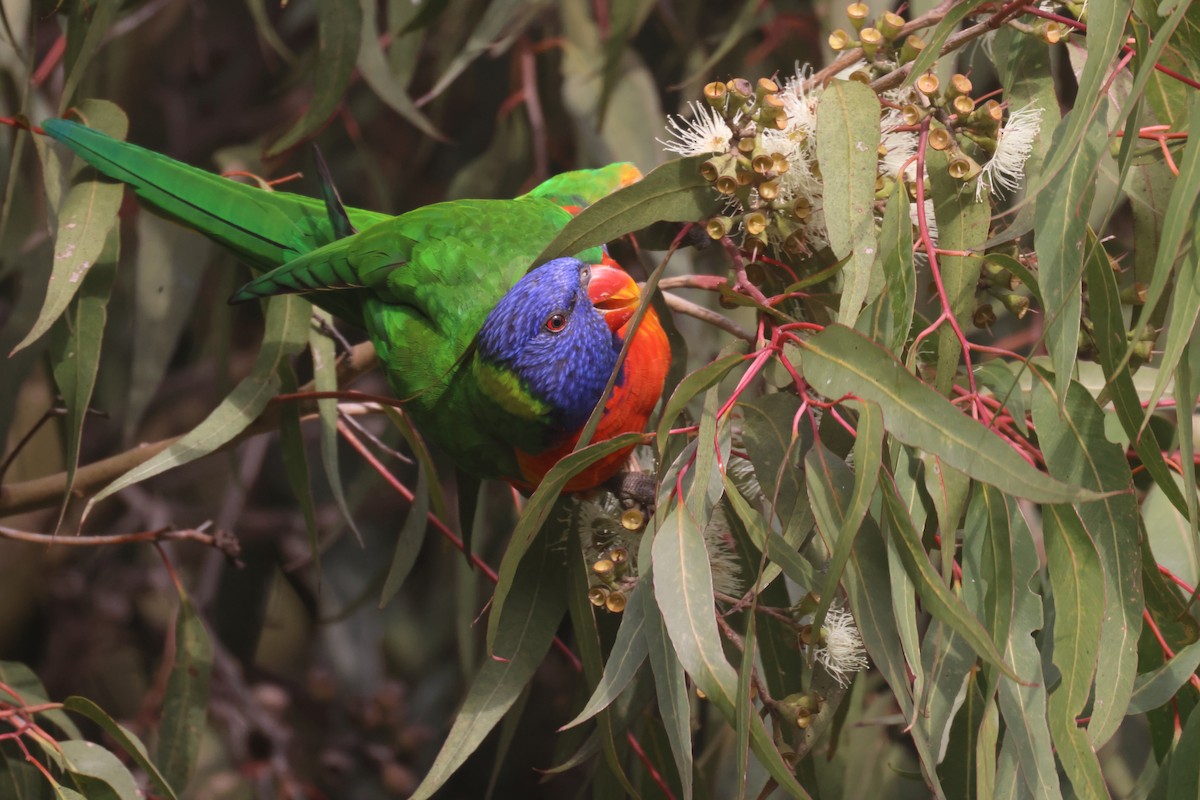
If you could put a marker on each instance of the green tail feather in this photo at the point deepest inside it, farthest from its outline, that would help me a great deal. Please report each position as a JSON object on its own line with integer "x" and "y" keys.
{"x": 265, "y": 229}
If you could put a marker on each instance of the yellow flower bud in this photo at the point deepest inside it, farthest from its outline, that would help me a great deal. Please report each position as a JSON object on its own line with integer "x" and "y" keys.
{"x": 928, "y": 84}
{"x": 912, "y": 47}
{"x": 839, "y": 40}
{"x": 615, "y": 602}
{"x": 714, "y": 93}
{"x": 597, "y": 595}
{"x": 755, "y": 222}
{"x": 858, "y": 13}
{"x": 940, "y": 139}
{"x": 631, "y": 518}
{"x": 890, "y": 24}
{"x": 716, "y": 228}
{"x": 870, "y": 39}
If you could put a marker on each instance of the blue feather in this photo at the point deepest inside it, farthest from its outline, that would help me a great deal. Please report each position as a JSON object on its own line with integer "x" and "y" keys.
{"x": 564, "y": 367}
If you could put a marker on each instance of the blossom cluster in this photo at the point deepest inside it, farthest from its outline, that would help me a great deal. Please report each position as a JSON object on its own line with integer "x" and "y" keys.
{"x": 762, "y": 143}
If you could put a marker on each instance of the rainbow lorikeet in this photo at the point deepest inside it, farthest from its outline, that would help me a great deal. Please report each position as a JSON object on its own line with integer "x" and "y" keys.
{"x": 499, "y": 367}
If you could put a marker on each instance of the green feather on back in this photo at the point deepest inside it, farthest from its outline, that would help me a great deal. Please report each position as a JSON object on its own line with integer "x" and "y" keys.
{"x": 421, "y": 283}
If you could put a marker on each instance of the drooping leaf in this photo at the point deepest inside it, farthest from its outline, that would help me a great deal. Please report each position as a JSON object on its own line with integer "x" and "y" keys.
{"x": 536, "y": 512}
{"x": 185, "y": 705}
{"x": 1078, "y": 607}
{"x": 839, "y": 361}
{"x": 98, "y": 771}
{"x": 1000, "y": 554}
{"x": 626, "y": 657}
{"x": 132, "y": 746}
{"x": 1076, "y": 450}
{"x": 674, "y": 192}
{"x": 683, "y": 588}
{"x": 88, "y": 212}
{"x": 1184, "y": 262}
{"x": 848, "y": 154}
{"x": 670, "y": 681}
{"x": 535, "y": 606}
{"x": 339, "y": 24}
{"x": 1059, "y": 237}
{"x": 286, "y": 332}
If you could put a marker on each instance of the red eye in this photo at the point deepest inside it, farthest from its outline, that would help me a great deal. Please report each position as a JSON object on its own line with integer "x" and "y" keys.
{"x": 556, "y": 322}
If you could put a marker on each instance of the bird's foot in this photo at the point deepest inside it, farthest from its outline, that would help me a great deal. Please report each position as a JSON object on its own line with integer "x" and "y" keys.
{"x": 634, "y": 490}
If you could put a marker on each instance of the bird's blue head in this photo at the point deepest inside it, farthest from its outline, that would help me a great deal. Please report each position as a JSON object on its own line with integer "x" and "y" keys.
{"x": 547, "y": 334}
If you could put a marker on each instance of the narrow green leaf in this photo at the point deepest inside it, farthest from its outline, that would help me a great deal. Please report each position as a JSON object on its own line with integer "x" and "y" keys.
{"x": 535, "y": 607}
{"x": 937, "y": 597}
{"x": 185, "y": 704}
{"x": 1185, "y": 262}
{"x": 129, "y": 743}
{"x": 1004, "y": 380}
{"x": 670, "y": 681}
{"x": 22, "y": 680}
{"x": 1104, "y": 305}
{"x": 87, "y": 214}
{"x": 295, "y": 463}
{"x": 868, "y": 458}
{"x": 98, "y": 771}
{"x": 782, "y": 555}
{"x": 376, "y": 73}
{"x": 587, "y": 637}
{"x": 683, "y": 588}
{"x": 324, "y": 359}
{"x": 287, "y": 329}
{"x": 674, "y": 192}
{"x": 947, "y": 661}
{"x": 767, "y": 439}
{"x": 963, "y": 223}
{"x": 408, "y": 542}
{"x": 87, "y": 27}
{"x": 848, "y": 154}
{"x": 866, "y": 574}
{"x": 1157, "y": 687}
{"x": 1077, "y": 450}
{"x": 1059, "y": 238}
{"x": 839, "y": 361}
{"x": 695, "y": 383}
{"x": 1072, "y": 562}
{"x": 1000, "y": 553}
{"x": 536, "y": 512}
{"x": 744, "y": 705}
{"x": 499, "y": 24}
{"x": 339, "y": 23}
{"x": 1106, "y": 27}
{"x": 170, "y": 268}
{"x": 890, "y": 315}
{"x": 75, "y": 351}
{"x": 626, "y": 657}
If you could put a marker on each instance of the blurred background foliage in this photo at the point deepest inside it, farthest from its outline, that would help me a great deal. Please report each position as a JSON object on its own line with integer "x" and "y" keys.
{"x": 270, "y": 674}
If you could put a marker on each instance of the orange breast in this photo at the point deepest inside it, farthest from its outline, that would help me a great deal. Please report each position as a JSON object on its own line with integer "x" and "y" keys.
{"x": 627, "y": 410}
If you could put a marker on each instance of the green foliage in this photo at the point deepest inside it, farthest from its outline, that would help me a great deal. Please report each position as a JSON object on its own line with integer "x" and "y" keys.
{"x": 931, "y": 404}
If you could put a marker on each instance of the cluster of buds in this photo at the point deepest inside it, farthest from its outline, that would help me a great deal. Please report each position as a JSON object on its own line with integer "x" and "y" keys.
{"x": 996, "y": 281}
{"x": 802, "y": 707}
{"x": 612, "y": 578}
{"x": 766, "y": 168}
{"x": 882, "y": 41}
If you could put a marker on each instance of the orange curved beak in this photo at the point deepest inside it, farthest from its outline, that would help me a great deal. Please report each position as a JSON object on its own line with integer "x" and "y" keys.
{"x": 614, "y": 294}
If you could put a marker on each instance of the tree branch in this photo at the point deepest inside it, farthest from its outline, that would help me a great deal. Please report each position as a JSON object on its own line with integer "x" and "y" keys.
{"x": 47, "y": 491}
